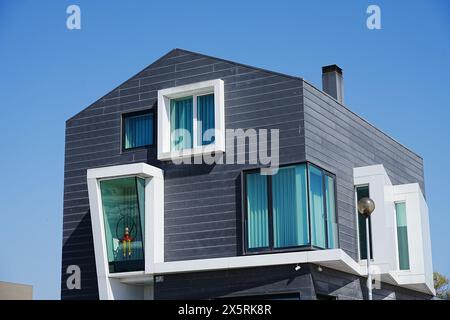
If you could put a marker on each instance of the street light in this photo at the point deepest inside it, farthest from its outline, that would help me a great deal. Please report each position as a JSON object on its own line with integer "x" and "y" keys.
{"x": 365, "y": 207}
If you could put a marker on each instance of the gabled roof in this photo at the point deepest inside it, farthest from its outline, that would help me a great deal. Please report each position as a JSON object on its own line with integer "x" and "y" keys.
{"x": 174, "y": 52}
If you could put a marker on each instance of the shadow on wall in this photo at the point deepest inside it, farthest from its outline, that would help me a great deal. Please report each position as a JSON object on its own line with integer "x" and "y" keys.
{"x": 78, "y": 250}
{"x": 238, "y": 283}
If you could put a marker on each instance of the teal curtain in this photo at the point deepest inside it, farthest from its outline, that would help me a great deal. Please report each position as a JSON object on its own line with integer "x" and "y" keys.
{"x": 290, "y": 217}
{"x": 257, "y": 211}
{"x": 121, "y": 209}
{"x": 138, "y": 131}
{"x": 402, "y": 236}
{"x": 362, "y": 192}
{"x": 205, "y": 116}
{"x": 181, "y": 123}
{"x": 331, "y": 212}
{"x": 317, "y": 210}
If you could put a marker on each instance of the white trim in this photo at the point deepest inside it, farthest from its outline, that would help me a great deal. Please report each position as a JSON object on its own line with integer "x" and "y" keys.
{"x": 154, "y": 224}
{"x": 164, "y": 131}
{"x": 384, "y": 229}
{"x": 335, "y": 259}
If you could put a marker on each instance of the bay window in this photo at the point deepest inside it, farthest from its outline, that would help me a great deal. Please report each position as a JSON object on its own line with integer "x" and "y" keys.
{"x": 295, "y": 208}
{"x": 123, "y": 201}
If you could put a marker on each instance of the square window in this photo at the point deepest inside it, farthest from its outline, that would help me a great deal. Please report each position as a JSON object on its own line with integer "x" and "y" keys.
{"x": 191, "y": 120}
{"x": 137, "y": 129}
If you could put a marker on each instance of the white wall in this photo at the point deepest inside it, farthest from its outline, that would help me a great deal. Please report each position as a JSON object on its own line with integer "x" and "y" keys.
{"x": 384, "y": 229}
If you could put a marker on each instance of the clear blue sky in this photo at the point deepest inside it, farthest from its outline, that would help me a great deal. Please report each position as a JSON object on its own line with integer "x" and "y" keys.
{"x": 398, "y": 78}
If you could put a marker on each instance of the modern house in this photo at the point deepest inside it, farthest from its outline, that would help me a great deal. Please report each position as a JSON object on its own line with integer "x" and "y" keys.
{"x": 201, "y": 178}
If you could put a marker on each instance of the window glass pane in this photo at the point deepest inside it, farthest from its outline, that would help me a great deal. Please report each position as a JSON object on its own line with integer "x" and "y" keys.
{"x": 257, "y": 211}
{"x": 138, "y": 130}
{"x": 123, "y": 202}
{"x": 317, "y": 210}
{"x": 289, "y": 198}
{"x": 402, "y": 236}
{"x": 331, "y": 212}
{"x": 140, "y": 185}
{"x": 181, "y": 122}
{"x": 205, "y": 116}
{"x": 362, "y": 192}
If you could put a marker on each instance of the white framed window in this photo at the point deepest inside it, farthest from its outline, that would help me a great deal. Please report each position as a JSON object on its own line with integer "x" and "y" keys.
{"x": 127, "y": 215}
{"x": 401, "y": 232}
{"x": 191, "y": 120}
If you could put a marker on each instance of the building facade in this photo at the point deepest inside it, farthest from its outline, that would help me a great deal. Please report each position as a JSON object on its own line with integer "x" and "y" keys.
{"x": 15, "y": 291}
{"x": 201, "y": 178}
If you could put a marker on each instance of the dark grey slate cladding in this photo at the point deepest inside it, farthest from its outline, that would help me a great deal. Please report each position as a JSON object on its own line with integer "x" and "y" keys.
{"x": 339, "y": 140}
{"x": 202, "y": 203}
{"x": 308, "y": 282}
{"x": 236, "y": 283}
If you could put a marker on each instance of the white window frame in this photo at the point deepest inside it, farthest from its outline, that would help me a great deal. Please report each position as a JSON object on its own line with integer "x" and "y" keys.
{"x": 164, "y": 131}
{"x": 153, "y": 224}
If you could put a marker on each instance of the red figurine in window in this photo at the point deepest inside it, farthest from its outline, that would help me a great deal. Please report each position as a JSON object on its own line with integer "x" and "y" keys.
{"x": 126, "y": 240}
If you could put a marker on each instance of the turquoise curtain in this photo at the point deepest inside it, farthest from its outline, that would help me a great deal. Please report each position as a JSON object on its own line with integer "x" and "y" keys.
{"x": 138, "y": 130}
{"x": 402, "y": 236}
{"x": 331, "y": 212}
{"x": 362, "y": 192}
{"x": 120, "y": 210}
{"x": 317, "y": 210}
{"x": 181, "y": 123}
{"x": 291, "y": 210}
{"x": 205, "y": 116}
{"x": 290, "y": 218}
{"x": 257, "y": 211}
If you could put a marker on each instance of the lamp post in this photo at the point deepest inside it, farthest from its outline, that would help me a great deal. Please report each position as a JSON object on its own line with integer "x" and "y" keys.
{"x": 365, "y": 207}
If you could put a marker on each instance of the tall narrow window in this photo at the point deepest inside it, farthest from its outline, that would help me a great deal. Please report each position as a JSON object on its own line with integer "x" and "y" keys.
{"x": 123, "y": 216}
{"x": 316, "y": 199}
{"x": 257, "y": 211}
{"x": 280, "y": 215}
{"x": 205, "y": 119}
{"x": 402, "y": 236}
{"x": 362, "y": 192}
{"x": 331, "y": 212}
{"x": 137, "y": 130}
{"x": 290, "y": 218}
{"x": 181, "y": 123}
